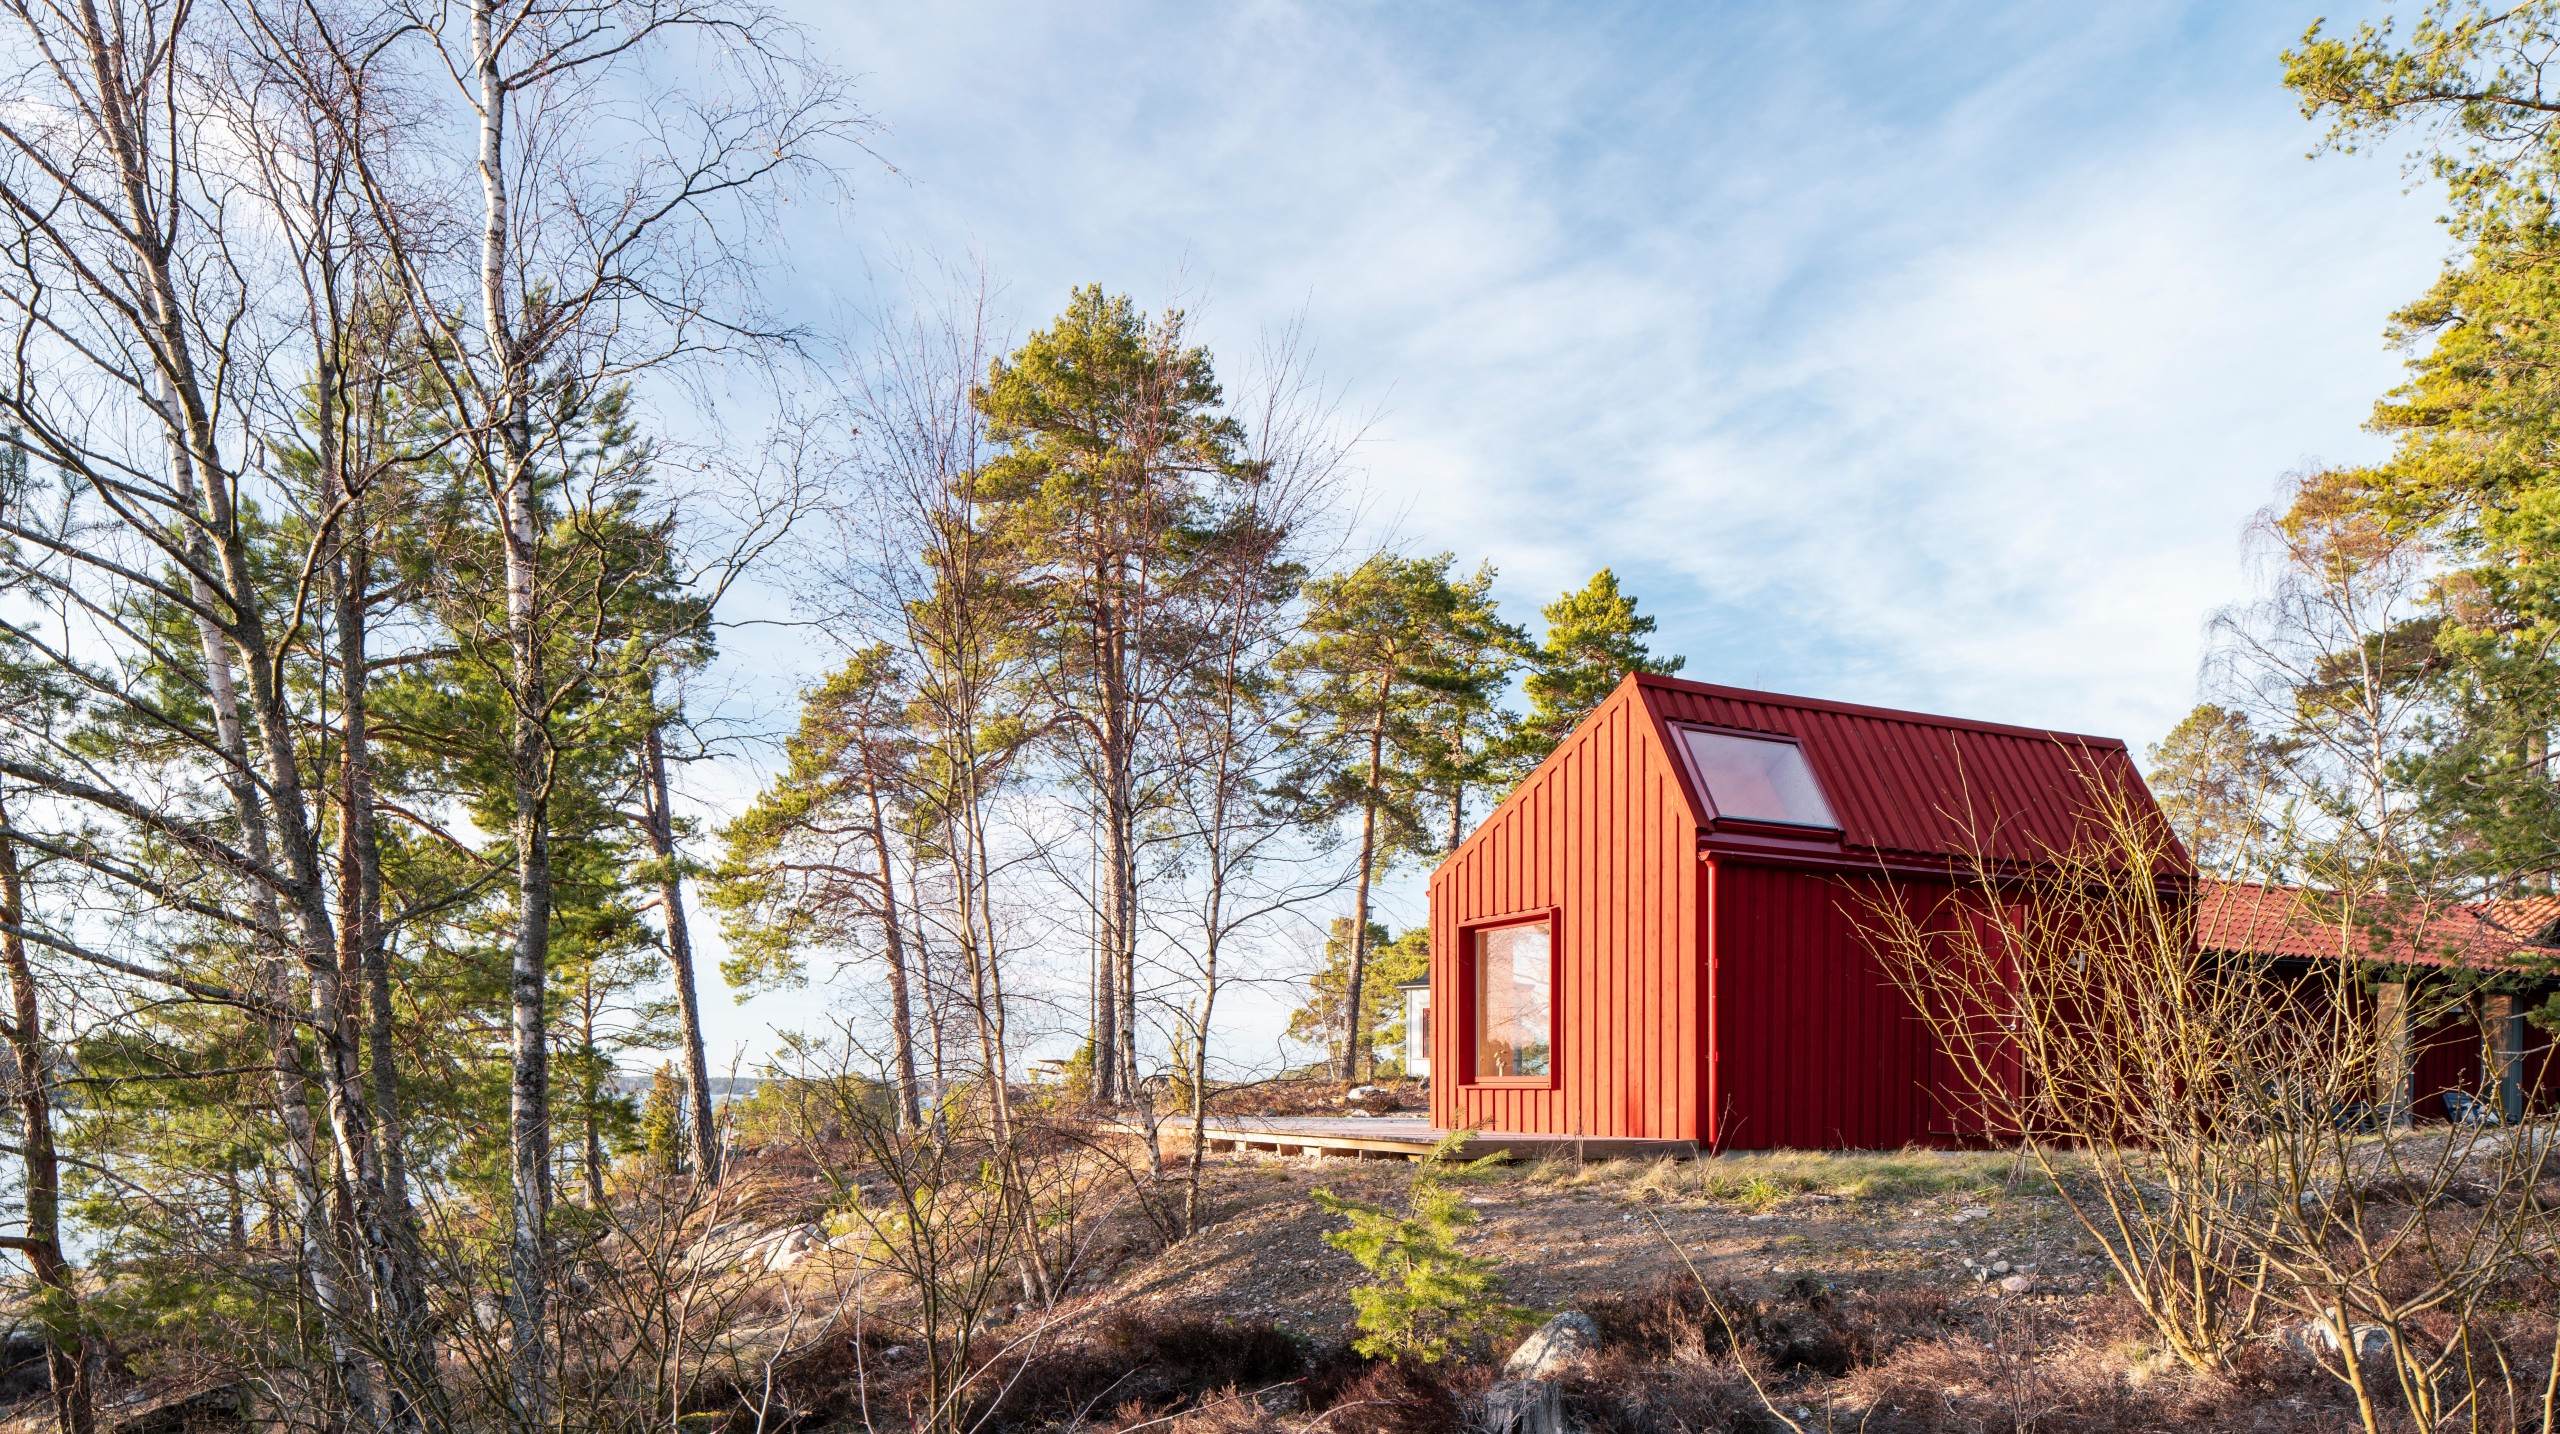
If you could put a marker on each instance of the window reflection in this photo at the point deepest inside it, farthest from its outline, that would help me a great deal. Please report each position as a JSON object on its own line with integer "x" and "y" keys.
{"x": 1514, "y": 1000}
{"x": 1756, "y": 779}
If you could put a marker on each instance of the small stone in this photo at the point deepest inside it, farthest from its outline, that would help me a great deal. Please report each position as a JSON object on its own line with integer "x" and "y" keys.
{"x": 1568, "y": 1340}
{"x": 1971, "y": 1213}
{"x": 1999, "y": 1267}
{"x": 2017, "y": 1285}
{"x": 2315, "y": 1337}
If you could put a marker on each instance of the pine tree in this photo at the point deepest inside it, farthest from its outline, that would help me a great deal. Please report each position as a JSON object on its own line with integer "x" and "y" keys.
{"x": 1108, "y": 424}
{"x": 1321, "y": 1018}
{"x": 1473, "y": 736}
{"x": 2215, "y": 780}
{"x": 1382, "y": 646}
{"x": 2468, "y": 480}
{"x": 814, "y": 861}
{"x": 1425, "y": 1297}
{"x": 1595, "y": 637}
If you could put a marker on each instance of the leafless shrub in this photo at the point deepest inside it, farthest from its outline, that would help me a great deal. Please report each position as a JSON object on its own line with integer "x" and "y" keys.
{"x": 2228, "y": 1130}
{"x": 2076, "y": 1016}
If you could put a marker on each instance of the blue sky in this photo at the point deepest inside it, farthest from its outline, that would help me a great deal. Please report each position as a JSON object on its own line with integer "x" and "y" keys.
{"x": 1926, "y": 356}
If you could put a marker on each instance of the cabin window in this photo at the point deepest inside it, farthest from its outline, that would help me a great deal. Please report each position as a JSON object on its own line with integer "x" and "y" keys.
{"x": 1514, "y": 1001}
{"x": 1758, "y": 779}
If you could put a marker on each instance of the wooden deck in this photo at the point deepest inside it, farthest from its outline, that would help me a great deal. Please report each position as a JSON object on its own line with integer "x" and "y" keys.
{"x": 1401, "y": 1137}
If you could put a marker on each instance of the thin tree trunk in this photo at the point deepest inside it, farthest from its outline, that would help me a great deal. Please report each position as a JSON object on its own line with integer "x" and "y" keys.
{"x": 57, "y": 1312}
{"x": 321, "y": 1222}
{"x": 214, "y": 534}
{"x": 529, "y": 1130}
{"x": 590, "y": 1095}
{"x": 363, "y": 946}
{"x": 529, "y": 1122}
{"x": 661, "y": 822}
{"x": 1106, "y": 993}
{"x": 920, "y": 952}
{"x": 1354, "y": 1027}
{"x": 360, "y": 876}
{"x": 1199, "y": 1072}
{"x": 1458, "y": 801}
{"x": 902, "y": 1036}
{"x": 986, "y": 1003}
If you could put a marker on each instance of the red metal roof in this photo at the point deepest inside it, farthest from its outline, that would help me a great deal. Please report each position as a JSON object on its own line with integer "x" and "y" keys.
{"x": 2299, "y": 922}
{"x": 1911, "y": 784}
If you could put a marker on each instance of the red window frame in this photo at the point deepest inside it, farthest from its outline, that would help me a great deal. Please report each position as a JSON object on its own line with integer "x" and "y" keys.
{"x": 1470, "y": 946}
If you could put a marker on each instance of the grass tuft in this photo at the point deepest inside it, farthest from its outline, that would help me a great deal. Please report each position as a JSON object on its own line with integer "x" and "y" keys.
{"x": 1763, "y": 1180}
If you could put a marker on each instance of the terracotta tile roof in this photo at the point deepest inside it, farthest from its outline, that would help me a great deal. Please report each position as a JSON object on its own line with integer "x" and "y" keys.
{"x": 2530, "y": 918}
{"x": 2309, "y": 924}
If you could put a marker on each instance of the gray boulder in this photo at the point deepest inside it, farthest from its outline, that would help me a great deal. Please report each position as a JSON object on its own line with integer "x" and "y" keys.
{"x": 1562, "y": 1343}
{"x": 2317, "y": 1339}
{"x": 793, "y": 1247}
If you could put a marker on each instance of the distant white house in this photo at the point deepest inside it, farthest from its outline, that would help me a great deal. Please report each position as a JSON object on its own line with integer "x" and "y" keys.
{"x": 1417, "y": 1028}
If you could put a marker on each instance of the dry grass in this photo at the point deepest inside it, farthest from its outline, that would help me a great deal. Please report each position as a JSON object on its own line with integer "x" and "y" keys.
{"x": 1763, "y": 1180}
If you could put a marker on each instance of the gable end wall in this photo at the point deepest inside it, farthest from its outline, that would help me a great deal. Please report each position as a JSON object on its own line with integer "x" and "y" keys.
{"x": 1602, "y": 833}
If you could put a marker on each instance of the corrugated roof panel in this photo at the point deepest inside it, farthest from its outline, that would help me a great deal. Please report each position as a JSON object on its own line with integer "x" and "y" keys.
{"x": 1913, "y": 784}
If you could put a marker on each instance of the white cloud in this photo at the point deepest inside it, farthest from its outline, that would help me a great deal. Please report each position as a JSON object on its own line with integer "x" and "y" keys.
{"x": 1928, "y": 361}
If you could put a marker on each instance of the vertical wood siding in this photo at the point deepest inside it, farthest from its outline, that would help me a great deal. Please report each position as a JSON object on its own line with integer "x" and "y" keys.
{"x": 2448, "y": 1058}
{"x": 1602, "y": 833}
{"x": 1814, "y": 1045}
{"x": 1731, "y": 1002}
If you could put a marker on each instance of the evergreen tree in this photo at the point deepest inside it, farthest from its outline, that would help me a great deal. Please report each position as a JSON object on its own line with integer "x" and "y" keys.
{"x": 663, "y": 1138}
{"x": 1109, "y": 425}
{"x": 1472, "y": 735}
{"x": 814, "y": 862}
{"x": 1380, "y": 646}
{"x": 2215, "y": 780}
{"x": 1425, "y": 1297}
{"x": 1321, "y": 1020}
{"x": 1595, "y": 637}
{"x": 2469, "y": 476}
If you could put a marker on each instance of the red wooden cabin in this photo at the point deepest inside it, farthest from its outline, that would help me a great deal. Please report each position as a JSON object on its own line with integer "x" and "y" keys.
{"x": 1652, "y": 937}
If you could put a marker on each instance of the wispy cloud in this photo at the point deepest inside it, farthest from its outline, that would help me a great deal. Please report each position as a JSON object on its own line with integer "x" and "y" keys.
{"x": 1932, "y": 361}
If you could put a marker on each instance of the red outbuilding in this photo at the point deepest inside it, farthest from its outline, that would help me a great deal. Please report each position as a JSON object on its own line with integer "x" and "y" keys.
{"x": 1654, "y": 936}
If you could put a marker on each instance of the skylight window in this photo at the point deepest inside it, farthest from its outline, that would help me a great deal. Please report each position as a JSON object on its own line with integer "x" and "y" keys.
{"x": 1758, "y": 779}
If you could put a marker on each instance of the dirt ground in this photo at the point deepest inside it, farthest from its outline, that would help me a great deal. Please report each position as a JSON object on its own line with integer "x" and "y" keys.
{"x": 1559, "y": 1232}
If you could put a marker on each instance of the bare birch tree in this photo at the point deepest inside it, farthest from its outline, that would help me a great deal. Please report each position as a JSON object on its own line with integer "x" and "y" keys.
{"x": 611, "y": 240}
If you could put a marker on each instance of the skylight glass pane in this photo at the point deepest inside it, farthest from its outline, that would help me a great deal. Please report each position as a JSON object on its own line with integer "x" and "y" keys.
{"x": 1753, "y": 779}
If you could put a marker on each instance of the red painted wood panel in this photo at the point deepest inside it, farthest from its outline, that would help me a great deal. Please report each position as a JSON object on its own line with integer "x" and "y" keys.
{"x": 1814, "y": 1045}
{"x": 1914, "y": 784}
{"x": 1601, "y": 833}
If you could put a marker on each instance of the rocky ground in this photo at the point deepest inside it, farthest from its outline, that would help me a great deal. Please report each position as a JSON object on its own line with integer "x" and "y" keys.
{"x": 1560, "y": 1233}
{"x": 1917, "y": 1290}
